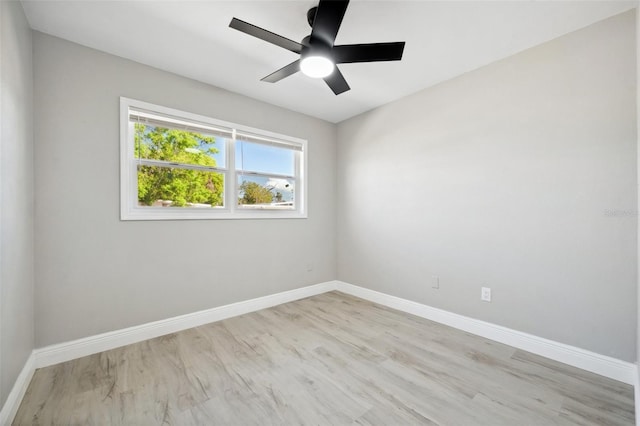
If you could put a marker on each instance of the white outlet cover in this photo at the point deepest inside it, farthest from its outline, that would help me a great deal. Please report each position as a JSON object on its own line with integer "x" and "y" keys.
{"x": 485, "y": 294}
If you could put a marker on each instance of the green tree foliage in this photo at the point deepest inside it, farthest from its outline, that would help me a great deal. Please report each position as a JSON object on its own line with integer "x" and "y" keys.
{"x": 180, "y": 186}
{"x": 253, "y": 193}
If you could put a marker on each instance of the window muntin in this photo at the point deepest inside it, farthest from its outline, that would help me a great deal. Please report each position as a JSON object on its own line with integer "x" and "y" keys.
{"x": 177, "y": 165}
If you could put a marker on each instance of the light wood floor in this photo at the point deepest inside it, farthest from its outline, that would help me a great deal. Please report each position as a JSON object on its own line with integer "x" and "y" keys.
{"x": 328, "y": 359}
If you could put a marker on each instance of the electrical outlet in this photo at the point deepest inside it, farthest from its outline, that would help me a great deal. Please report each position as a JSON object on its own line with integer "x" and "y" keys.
{"x": 435, "y": 282}
{"x": 485, "y": 294}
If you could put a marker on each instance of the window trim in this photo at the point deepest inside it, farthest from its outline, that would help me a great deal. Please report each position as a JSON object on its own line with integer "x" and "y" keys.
{"x": 129, "y": 209}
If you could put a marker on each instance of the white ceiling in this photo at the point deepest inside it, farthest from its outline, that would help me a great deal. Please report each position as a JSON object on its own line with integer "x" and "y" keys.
{"x": 191, "y": 38}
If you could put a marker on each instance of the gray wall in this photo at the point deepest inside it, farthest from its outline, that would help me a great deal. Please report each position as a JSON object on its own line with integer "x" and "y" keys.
{"x": 520, "y": 176}
{"x": 637, "y": 391}
{"x": 95, "y": 273}
{"x": 16, "y": 195}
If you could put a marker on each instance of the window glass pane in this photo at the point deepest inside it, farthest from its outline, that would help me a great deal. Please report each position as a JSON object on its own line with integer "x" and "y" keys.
{"x": 264, "y": 158}
{"x": 175, "y": 187}
{"x": 179, "y": 146}
{"x": 265, "y": 192}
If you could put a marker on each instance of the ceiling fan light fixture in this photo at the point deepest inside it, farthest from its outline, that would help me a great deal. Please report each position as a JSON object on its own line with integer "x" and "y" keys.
{"x": 316, "y": 66}
{"x": 319, "y": 55}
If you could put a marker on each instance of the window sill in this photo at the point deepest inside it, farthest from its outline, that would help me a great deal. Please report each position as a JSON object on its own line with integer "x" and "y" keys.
{"x": 199, "y": 214}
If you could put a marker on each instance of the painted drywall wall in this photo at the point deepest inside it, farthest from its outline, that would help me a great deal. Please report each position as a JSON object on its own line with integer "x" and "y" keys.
{"x": 637, "y": 390}
{"x": 16, "y": 195}
{"x": 95, "y": 273}
{"x": 519, "y": 176}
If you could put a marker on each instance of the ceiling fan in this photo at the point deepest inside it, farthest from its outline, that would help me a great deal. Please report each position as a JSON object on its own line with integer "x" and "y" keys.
{"x": 318, "y": 54}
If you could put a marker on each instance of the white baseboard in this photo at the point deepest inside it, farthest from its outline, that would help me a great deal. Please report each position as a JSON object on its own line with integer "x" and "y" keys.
{"x": 600, "y": 364}
{"x": 11, "y": 405}
{"x": 637, "y": 393}
{"x": 67, "y": 351}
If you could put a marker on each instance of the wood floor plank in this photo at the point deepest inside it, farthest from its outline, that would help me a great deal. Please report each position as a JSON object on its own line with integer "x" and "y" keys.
{"x": 328, "y": 359}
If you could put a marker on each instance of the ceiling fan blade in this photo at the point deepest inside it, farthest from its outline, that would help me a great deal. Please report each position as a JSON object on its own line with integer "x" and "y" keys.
{"x": 373, "y": 52}
{"x": 336, "y": 82}
{"x": 283, "y": 72}
{"x": 327, "y": 21}
{"x": 265, "y": 35}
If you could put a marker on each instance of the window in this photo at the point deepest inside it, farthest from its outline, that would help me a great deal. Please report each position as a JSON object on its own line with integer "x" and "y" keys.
{"x": 177, "y": 165}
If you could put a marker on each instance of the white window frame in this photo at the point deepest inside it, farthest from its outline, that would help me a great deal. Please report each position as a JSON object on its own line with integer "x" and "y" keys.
{"x": 129, "y": 208}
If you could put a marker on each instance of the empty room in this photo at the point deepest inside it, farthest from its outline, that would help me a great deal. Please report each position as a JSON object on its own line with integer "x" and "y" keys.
{"x": 319, "y": 212}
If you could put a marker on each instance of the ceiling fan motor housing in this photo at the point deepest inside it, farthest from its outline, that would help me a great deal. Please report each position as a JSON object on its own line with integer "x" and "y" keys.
{"x": 311, "y": 15}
